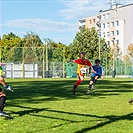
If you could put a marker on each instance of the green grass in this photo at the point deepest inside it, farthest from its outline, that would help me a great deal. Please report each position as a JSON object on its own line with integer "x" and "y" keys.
{"x": 48, "y": 106}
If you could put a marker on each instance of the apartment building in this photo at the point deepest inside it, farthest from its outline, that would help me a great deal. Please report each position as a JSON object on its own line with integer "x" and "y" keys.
{"x": 114, "y": 25}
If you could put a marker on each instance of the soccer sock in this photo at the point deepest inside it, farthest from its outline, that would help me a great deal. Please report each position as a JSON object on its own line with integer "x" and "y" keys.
{"x": 78, "y": 82}
{"x": 2, "y": 103}
{"x": 89, "y": 86}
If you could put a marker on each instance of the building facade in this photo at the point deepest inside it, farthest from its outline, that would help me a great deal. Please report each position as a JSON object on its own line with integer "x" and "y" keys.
{"x": 114, "y": 25}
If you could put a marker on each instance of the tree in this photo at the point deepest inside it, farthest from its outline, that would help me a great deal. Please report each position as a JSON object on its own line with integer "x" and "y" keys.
{"x": 87, "y": 40}
{"x": 32, "y": 40}
{"x": 32, "y": 48}
{"x": 10, "y": 40}
{"x": 7, "y": 43}
{"x": 55, "y": 50}
{"x": 130, "y": 49}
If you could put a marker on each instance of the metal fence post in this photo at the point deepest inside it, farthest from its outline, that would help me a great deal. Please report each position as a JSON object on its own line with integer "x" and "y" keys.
{"x": 23, "y": 62}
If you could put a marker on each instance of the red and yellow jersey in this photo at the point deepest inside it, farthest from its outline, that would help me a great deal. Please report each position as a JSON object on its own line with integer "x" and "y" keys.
{"x": 82, "y": 63}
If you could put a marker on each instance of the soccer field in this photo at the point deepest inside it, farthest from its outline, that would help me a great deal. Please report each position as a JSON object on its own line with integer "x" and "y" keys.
{"x": 48, "y": 106}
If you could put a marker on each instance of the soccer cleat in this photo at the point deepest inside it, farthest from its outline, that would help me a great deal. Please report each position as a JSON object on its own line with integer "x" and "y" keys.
{"x": 88, "y": 92}
{"x": 10, "y": 88}
{"x": 5, "y": 115}
{"x": 130, "y": 101}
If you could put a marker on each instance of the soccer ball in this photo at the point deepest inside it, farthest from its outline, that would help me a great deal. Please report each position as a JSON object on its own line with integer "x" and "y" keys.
{"x": 83, "y": 70}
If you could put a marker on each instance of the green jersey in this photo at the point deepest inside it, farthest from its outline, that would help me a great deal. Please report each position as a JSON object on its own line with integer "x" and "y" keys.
{"x": 1, "y": 70}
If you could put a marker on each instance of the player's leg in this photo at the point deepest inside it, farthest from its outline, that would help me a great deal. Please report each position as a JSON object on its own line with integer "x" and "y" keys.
{"x": 94, "y": 81}
{"x": 90, "y": 84}
{"x": 5, "y": 86}
{"x": 96, "y": 78}
{"x": 80, "y": 79}
{"x": 2, "y": 103}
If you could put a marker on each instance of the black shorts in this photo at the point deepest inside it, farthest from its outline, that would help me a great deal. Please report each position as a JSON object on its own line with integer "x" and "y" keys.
{"x": 93, "y": 78}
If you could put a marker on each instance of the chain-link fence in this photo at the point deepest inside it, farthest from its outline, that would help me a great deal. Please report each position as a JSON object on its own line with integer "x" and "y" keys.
{"x": 44, "y": 62}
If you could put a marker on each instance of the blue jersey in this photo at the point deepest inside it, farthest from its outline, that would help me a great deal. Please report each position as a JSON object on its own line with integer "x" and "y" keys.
{"x": 98, "y": 70}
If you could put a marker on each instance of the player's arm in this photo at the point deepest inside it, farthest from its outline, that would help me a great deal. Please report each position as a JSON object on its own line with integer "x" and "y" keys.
{"x": 71, "y": 61}
{"x": 102, "y": 74}
{"x": 76, "y": 61}
{"x": 92, "y": 69}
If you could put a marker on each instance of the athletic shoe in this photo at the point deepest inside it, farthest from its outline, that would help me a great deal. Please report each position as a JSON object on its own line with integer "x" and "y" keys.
{"x": 5, "y": 115}
{"x": 10, "y": 88}
{"x": 88, "y": 92}
{"x": 130, "y": 101}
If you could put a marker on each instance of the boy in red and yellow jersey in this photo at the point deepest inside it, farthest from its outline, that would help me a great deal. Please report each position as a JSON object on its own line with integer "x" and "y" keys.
{"x": 82, "y": 63}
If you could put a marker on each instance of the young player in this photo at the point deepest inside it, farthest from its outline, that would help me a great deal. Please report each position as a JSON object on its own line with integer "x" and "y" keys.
{"x": 95, "y": 76}
{"x": 2, "y": 81}
{"x": 82, "y": 63}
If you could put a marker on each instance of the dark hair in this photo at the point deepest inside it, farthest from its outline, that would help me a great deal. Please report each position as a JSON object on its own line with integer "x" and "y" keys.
{"x": 83, "y": 53}
{"x": 0, "y": 89}
{"x": 97, "y": 60}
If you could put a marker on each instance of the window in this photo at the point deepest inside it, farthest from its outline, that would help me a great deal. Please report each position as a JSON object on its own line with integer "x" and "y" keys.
{"x": 117, "y": 23}
{"x": 99, "y": 17}
{"x": 99, "y": 33}
{"x": 82, "y": 21}
{"x": 107, "y": 16}
{"x": 104, "y": 25}
{"x": 115, "y": 11}
{"x": 103, "y": 17}
{"x": 94, "y": 20}
{"x": 108, "y": 25}
{"x": 113, "y": 42}
{"x": 108, "y": 43}
{"x": 112, "y": 24}
{"x": 108, "y": 34}
{"x": 103, "y": 34}
{"x": 117, "y": 41}
{"x": 117, "y": 32}
{"x": 90, "y": 21}
{"x": 112, "y": 33}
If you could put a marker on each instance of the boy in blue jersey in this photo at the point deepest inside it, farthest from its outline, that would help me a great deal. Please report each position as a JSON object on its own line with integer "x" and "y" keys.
{"x": 95, "y": 76}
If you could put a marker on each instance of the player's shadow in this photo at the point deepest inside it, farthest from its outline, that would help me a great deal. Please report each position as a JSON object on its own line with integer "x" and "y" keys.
{"x": 34, "y": 112}
{"x": 27, "y": 110}
{"x": 52, "y": 90}
{"x": 109, "y": 118}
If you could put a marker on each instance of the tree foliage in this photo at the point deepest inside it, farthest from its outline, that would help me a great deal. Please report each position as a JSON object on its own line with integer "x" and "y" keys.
{"x": 56, "y": 51}
{"x": 32, "y": 40}
{"x": 32, "y": 48}
{"x": 130, "y": 49}
{"x": 8, "y": 43}
{"x": 10, "y": 40}
{"x": 87, "y": 40}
